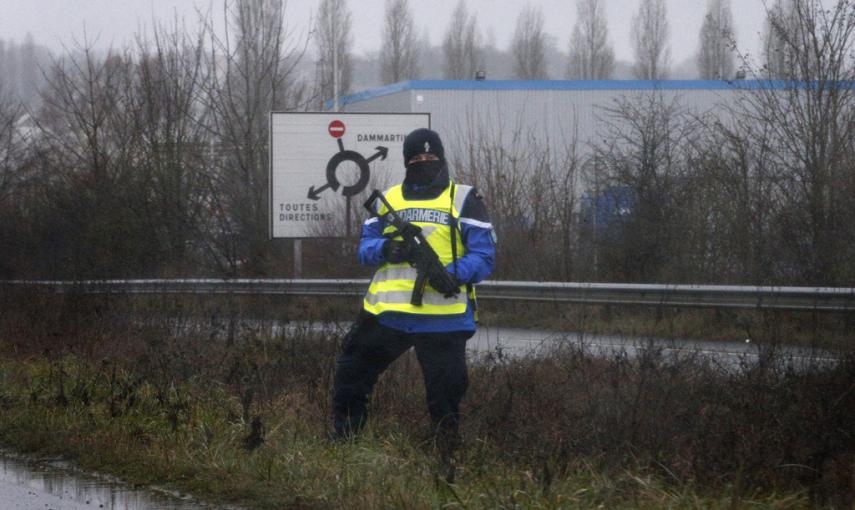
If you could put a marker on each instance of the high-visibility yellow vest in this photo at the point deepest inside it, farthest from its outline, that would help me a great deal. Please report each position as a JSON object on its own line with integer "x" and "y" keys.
{"x": 392, "y": 285}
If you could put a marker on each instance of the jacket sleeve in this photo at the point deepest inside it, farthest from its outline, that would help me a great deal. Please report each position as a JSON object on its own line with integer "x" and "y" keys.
{"x": 478, "y": 238}
{"x": 371, "y": 242}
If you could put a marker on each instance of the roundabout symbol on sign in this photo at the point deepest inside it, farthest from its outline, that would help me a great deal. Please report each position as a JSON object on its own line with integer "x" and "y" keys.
{"x": 336, "y": 130}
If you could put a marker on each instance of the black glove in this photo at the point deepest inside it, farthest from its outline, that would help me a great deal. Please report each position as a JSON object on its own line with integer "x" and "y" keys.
{"x": 396, "y": 252}
{"x": 444, "y": 283}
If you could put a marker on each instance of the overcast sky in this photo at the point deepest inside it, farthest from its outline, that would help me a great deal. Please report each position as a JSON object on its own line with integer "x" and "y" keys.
{"x": 56, "y": 22}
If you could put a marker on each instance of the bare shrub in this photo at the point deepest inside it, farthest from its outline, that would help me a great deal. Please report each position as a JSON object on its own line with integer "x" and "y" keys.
{"x": 807, "y": 128}
{"x": 770, "y": 422}
{"x": 689, "y": 417}
{"x": 643, "y": 151}
{"x": 530, "y": 186}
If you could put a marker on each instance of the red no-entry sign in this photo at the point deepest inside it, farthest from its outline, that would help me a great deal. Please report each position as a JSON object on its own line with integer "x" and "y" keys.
{"x": 336, "y": 129}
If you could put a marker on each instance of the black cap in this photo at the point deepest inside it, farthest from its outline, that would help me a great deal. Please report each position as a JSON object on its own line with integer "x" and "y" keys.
{"x": 423, "y": 141}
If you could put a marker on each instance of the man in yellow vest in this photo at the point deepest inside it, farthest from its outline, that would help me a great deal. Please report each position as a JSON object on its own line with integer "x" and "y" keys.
{"x": 455, "y": 223}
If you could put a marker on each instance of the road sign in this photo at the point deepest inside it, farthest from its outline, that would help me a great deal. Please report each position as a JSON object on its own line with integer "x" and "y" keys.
{"x": 336, "y": 128}
{"x": 323, "y": 163}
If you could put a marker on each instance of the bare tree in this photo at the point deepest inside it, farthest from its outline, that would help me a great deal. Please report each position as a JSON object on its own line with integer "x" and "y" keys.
{"x": 169, "y": 117}
{"x": 20, "y": 69}
{"x": 12, "y": 146}
{"x": 729, "y": 202}
{"x": 12, "y": 150}
{"x": 9, "y": 67}
{"x": 563, "y": 193}
{"x": 333, "y": 40}
{"x": 88, "y": 149}
{"x": 431, "y": 58}
{"x": 257, "y": 76}
{"x": 29, "y": 70}
{"x": 780, "y": 26}
{"x": 650, "y": 34}
{"x": 811, "y": 135}
{"x": 399, "y": 51}
{"x": 461, "y": 45}
{"x": 529, "y": 183}
{"x": 715, "y": 58}
{"x": 528, "y": 45}
{"x": 591, "y": 55}
{"x": 642, "y": 155}
{"x": 82, "y": 118}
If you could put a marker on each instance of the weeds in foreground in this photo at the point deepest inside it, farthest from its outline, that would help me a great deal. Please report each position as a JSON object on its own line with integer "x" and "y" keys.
{"x": 237, "y": 412}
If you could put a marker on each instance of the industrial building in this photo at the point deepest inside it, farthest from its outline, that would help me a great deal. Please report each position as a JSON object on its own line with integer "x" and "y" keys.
{"x": 516, "y": 115}
{"x": 550, "y": 110}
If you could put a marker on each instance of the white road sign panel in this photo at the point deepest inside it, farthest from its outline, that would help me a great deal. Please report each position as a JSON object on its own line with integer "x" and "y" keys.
{"x": 323, "y": 163}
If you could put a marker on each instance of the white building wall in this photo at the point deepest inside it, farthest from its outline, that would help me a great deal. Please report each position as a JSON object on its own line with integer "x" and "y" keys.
{"x": 553, "y": 113}
{"x": 549, "y": 114}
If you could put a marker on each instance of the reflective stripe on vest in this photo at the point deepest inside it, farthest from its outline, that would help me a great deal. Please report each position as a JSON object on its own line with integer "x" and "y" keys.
{"x": 392, "y": 285}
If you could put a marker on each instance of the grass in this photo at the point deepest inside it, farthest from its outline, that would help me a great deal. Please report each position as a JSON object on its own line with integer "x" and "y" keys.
{"x": 295, "y": 468}
{"x": 238, "y": 415}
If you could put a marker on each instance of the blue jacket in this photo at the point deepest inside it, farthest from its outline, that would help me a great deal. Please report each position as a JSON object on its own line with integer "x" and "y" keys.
{"x": 479, "y": 239}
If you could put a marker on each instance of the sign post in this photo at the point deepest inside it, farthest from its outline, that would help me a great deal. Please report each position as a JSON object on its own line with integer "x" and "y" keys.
{"x": 321, "y": 162}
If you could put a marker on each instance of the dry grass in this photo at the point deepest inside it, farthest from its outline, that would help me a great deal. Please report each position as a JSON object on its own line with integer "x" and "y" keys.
{"x": 230, "y": 411}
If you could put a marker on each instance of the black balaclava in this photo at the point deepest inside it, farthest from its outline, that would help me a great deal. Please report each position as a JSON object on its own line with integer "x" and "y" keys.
{"x": 424, "y": 176}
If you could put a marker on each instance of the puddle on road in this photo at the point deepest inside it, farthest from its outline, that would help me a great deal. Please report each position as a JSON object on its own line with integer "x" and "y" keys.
{"x": 50, "y": 484}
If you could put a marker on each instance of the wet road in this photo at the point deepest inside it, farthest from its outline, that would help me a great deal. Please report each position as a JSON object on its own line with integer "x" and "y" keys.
{"x": 524, "y": 341}
{"x": 27, "y": 484}
{"x": 728, "y": 354}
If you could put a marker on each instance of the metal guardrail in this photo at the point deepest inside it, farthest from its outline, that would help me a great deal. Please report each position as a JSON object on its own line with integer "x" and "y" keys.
{"x": 825, "y": 299}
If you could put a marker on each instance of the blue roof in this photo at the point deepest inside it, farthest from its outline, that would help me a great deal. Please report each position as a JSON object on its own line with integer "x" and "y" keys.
{"x": 566, "y": 85}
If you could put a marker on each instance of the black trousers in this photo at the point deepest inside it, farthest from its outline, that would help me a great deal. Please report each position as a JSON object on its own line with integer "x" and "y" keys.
{"x": 369, "y": 348}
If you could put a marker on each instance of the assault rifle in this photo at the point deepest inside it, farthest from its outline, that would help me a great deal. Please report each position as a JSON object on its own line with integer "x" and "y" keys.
{"x": 422, "y": 256}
